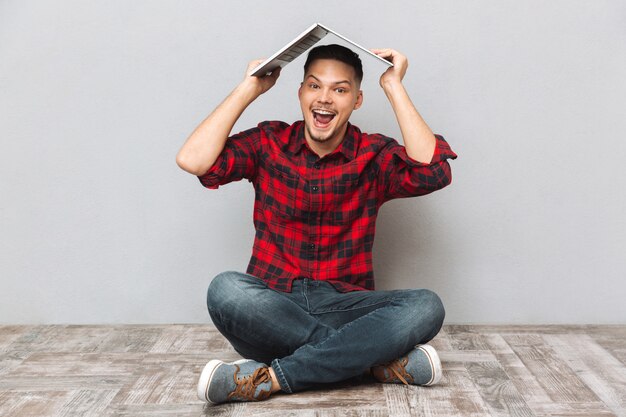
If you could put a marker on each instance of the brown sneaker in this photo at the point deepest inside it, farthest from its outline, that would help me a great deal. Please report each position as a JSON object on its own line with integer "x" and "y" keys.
{"x": 421, "y": 366}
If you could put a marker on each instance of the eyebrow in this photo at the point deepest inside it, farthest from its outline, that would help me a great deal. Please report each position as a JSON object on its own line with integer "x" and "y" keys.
{"x": 336, "y": 82}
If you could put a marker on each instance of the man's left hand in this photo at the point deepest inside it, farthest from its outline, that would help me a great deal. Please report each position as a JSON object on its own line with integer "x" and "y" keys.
{"x": 400, "y": 65}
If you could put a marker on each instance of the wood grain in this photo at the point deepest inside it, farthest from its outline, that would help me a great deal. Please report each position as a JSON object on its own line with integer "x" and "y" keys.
{"x": 152, "y": 371}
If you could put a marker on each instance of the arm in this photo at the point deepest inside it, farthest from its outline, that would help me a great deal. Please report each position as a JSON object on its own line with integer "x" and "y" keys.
{"x": 207, "y": 141}
{"x": 419, "y": 140}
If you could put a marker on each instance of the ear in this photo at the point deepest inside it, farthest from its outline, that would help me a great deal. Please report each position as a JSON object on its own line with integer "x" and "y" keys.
{"x": 300, "y": 90}
{"x": 359, "y": 100}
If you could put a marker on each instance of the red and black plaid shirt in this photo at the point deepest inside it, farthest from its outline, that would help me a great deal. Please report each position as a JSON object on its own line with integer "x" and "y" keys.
{"x": 315, "y": 217}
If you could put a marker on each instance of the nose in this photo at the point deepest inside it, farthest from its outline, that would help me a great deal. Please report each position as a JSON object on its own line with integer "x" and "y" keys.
{"x": 325, "y": 96}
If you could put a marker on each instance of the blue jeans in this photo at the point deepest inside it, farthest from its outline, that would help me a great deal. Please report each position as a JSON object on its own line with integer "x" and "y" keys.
{"x": 315, "y": 334}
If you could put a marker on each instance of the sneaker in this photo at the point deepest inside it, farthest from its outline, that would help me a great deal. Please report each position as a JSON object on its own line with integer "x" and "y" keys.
{"x": 421, "y": 366}
{"x": 243, "y": 380}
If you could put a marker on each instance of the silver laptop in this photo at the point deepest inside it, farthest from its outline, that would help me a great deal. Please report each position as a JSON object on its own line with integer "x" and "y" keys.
{"x": 300, "y": 45}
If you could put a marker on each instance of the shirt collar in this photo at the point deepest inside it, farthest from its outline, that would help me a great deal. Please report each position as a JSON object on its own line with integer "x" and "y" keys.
{"x": 348, "y": 147}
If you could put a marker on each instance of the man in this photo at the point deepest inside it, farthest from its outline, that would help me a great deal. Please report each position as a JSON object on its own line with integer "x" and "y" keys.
{"x": 306, "y": 312}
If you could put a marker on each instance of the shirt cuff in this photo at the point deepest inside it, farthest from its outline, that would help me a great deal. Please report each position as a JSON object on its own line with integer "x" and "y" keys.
{"x": 212, "y": 178}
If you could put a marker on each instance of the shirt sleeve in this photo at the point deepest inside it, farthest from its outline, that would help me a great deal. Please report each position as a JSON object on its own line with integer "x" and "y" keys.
{"x": 406, "y": 177}
{"x": 238, "y": 160}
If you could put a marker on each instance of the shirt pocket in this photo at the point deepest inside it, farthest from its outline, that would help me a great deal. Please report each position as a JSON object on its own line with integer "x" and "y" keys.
{"x": 348, "y": 200}
{"x": 284, "y": 192}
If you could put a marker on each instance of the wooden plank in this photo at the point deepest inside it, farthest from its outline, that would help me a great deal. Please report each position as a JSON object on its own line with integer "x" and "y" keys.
{"x": 571, "y": 409}
{"x": 11, "y": 360}
{"x": 611, "y": 338}
{"x": 131, "y": 339}
{"x": 497, "y": 390}
{"x": 342, "y": 412}
{"x": 87, "y": 403}
{"x": 351, "y": 395}
{"x": 525, "y": 382}
{"x": 520, "y": 329}
{"x": 48, "y": 382}
{"x": 456, "y": 395}
{"x": 176, "y": 410}
{"x": 191, "y": 339}
{"x": 33, "y": 403}
{"x": 463, "y": 356}
{"x": 551, "y": 372}
{"x": 36, "y": 338}
{"x": 400, "y": 401}
{"x": 601, "y": 372}
{"x": 8, "y": 334}
{"x": 54, "y": 364}
{"x": 464, "y": 338}
{"x": 169, "y": 384}
{"x": 168, "y": 337}
{"x": 77, "y": 339}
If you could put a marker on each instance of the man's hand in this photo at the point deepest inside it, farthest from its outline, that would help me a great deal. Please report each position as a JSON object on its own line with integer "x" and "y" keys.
{"x": 396, "y": 73}
{"x": 263, "y": 83}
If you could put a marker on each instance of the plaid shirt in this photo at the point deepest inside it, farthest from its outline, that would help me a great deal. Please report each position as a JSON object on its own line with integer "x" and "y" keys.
{"x": 315, "y": 217}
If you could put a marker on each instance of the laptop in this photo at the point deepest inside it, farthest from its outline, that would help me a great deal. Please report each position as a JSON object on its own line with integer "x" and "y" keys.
{"x": 300, "y": 45}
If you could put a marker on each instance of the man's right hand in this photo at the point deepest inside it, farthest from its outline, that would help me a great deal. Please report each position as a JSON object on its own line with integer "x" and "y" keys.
{"x": 263, "y": 83}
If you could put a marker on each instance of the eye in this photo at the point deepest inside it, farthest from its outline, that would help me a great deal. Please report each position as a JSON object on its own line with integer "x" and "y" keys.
{"x": 314, "y": 86}
{"x": 341, "y": 90}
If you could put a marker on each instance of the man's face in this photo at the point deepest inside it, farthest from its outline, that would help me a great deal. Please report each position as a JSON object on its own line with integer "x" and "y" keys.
{"x": 328, "y": 95}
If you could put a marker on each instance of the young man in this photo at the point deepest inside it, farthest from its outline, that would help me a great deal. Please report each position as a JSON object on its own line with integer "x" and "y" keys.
{"x": 306, "y": 312}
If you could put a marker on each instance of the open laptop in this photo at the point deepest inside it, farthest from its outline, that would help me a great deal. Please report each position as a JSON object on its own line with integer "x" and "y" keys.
{"x": 301, "y": 44}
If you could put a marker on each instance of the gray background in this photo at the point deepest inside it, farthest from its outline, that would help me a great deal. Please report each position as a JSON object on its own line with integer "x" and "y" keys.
{"x": 99, "y": 225}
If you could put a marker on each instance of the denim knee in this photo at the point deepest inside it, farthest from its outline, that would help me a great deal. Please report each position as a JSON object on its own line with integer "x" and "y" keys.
{"x": 432, "y": 308}
{"x": 220, "y": 288}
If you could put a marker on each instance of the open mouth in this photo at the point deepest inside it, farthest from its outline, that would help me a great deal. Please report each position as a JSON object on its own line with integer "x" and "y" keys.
{"x": 322, "y": 118}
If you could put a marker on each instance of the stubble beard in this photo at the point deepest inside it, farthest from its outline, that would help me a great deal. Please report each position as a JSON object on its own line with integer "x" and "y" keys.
{"x": 319, "y": 139}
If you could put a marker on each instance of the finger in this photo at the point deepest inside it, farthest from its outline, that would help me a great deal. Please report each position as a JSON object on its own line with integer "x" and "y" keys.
{"x": 386, "y": 54}
{"x": 383, "y": 51}
{"x": 275, "y": 73}
{"x": 254, "y": 63}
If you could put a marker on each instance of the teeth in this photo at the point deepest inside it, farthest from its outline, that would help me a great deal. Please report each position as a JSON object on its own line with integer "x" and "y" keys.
{"x": 323, "y": 111}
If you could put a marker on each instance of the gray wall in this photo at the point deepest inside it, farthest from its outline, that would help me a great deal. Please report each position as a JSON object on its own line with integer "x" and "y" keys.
{"x": 98, "y": 224}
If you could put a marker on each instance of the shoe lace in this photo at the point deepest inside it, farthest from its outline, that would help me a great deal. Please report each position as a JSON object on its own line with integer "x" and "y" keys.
{"x": 397, "y": 370}
{"x": 246, "y": 386}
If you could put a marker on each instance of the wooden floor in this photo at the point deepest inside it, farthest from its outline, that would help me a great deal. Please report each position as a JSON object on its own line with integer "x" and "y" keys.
{"x": 152, "y": 371}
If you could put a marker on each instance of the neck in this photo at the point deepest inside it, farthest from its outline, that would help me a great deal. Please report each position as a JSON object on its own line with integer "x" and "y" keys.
{"x": 323, "y": 148}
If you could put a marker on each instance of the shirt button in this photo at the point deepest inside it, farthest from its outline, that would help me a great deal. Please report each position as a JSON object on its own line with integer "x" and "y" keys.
{"x": 315, "y": 188}
{"x": 311, "y": 245}
{"x": 316, "y": 166}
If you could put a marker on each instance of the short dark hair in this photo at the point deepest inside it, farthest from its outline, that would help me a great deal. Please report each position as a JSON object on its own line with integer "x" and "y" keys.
{"x": 338, "y": 53}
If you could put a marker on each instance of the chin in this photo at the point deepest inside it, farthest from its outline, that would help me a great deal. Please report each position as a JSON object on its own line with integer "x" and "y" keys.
{"x": 319, "y": 136}
{"x": 320, "y": 139}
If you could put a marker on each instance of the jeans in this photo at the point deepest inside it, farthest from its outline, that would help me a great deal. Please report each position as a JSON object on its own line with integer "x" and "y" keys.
{"x": 315, "y": 334}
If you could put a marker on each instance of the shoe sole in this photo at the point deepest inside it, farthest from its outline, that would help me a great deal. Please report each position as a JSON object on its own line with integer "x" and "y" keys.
{"x": 435, "y": 363}
{"x": 207, "y": 375}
